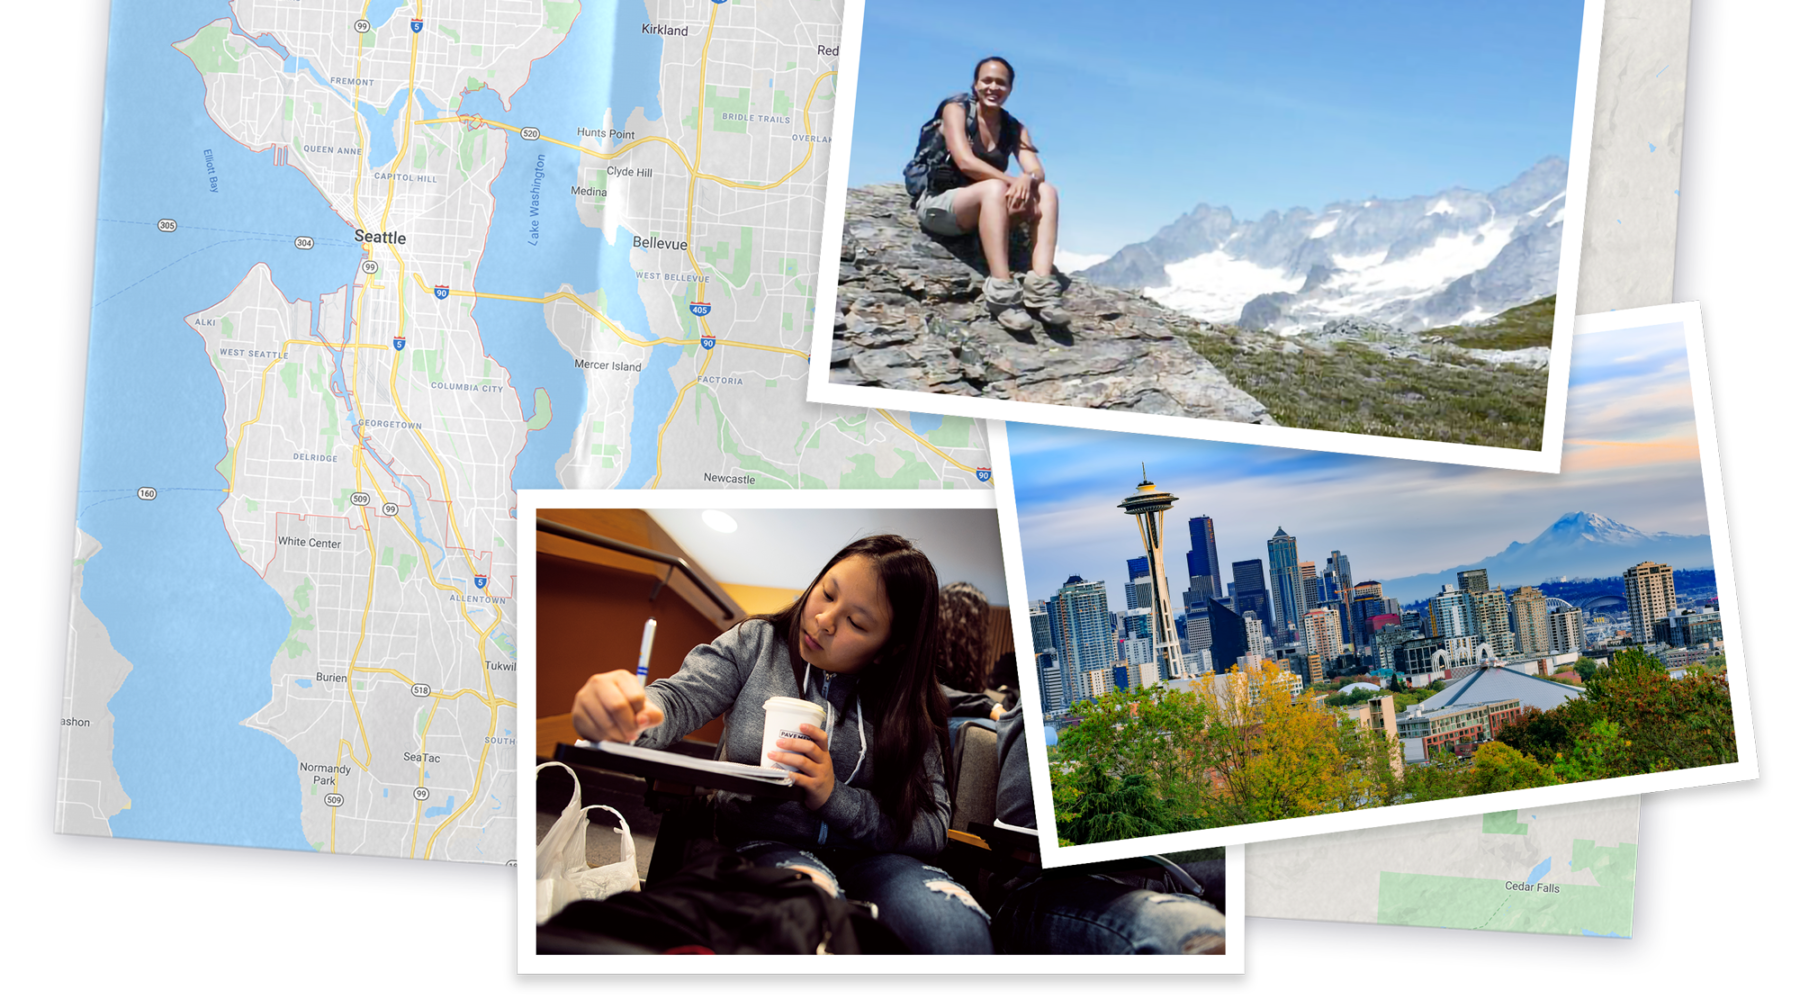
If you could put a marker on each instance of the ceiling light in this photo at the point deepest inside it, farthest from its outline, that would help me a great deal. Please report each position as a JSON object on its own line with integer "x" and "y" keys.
{"x": 719, "y": 521}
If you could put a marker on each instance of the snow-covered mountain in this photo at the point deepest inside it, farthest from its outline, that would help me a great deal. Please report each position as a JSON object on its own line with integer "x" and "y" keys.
{"x": 1580, "y": 544}
{"x": 1454, "y": 257}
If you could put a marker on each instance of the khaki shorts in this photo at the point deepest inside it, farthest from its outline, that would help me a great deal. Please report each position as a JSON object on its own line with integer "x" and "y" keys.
{"x": 937, "y": 214}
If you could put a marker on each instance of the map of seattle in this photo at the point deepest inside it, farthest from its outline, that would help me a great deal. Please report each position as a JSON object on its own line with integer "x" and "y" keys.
{"x": 363, "y": 271}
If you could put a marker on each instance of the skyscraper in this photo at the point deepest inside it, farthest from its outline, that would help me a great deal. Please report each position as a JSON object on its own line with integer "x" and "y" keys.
{"x": 1565, "y": 628}
{"x": 1226, "y": 634}
{"x": 1649, "y": 595}
{"x": 1319, "y": 633}
{"x": 1286, "y": 592}
{"x": 1313, "y": 588}
{"x": 1249, "y": 592}
{"x": 1083, "y": 626}
{"x": 1256, "y": 645}
{"x": 1040, "y": 628}
{"x": 1472, "y": 581}
{"x": 1450, "y": 613}
{"x": 1491, "y": 622}
{"x": 1203, "y": 559}
{"x": 1150, "y": 509}
{"x": 1531, "y": 621}
{"x": 1366, "y": 601}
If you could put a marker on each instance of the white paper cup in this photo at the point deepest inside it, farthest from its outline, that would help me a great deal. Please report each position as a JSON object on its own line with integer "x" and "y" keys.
{"x": 782, "y": 718}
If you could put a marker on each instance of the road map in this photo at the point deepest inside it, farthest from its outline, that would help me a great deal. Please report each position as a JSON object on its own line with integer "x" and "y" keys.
{"x": 363, "y": 271}
{"x": 1563, "y": 869}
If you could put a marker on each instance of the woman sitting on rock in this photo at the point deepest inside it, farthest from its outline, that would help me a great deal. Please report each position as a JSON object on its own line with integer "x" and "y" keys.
{"x": 959, "y": 184}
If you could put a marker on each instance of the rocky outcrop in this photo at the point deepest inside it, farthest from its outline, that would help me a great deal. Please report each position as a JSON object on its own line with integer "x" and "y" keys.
{"x": 910, "y": 316}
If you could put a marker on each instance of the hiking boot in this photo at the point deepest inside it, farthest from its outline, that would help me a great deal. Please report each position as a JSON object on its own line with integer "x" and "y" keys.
{"x": 1003, "y": 299}
{"x": 1043, "y": 298}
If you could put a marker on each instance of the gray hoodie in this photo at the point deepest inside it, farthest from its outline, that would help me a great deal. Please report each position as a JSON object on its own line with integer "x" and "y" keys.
{"x": 733, "y": 675}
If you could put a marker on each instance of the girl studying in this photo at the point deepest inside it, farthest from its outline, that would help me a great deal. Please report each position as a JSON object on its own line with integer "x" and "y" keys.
{"x": 860, "y": 643}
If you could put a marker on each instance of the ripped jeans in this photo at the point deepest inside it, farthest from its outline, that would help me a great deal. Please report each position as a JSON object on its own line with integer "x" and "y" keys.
{"x": 927, "y": 910}
{"x": 1082, "y": 911}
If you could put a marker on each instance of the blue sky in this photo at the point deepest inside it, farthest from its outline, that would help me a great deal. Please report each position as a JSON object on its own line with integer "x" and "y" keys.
{"x": 1144, "y": 109}
{"x": 1630, "y": 453}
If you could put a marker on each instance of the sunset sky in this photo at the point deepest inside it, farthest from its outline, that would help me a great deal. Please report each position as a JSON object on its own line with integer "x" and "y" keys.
{"x": 1631, "y": 454}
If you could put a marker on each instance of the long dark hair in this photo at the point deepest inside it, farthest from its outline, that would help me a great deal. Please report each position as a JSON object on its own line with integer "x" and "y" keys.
{"x": 1011, "y": 76}
{"x": 962, "y": 637}
{"x": 898, "y": 689}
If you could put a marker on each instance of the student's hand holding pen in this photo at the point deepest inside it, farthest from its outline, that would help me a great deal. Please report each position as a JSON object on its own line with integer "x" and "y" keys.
{"x": 612, "y": 707}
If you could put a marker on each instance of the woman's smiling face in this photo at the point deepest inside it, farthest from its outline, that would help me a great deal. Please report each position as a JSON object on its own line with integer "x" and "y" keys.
{"x": 846, "y": 620}
{"x": 993, "y": 82}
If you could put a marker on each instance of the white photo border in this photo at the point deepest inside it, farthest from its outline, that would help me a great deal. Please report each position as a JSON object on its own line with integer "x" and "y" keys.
{"x": 530, "y": 962}
{"x": 1547, "y": 458}
{"x": 1688, "y": 316}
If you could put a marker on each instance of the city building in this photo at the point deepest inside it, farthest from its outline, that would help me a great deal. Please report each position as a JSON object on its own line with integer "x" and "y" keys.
{"x": 1472, "y": 581}
{"x": 1083, "y": 633}
{"x": 1378, "y": 716}
{"x": 1493, "y": 623}
{"x": 1531, "y": 621}
{"x": 1451, "y": 613}
{"x": 1050, "y": 683}
{"x": 1565, "y": 623}
{"x": 1204, "y": 574}
{"x": 1690, "y": 628}
{"x": 1366, "y": 603}
{"x": 1250, "y": 593}
{"x": 1040, "y": 627}
{"x": 1256, "y": 642}
{"x": 1287, "y": 592}
{"x": 1230, "y": 637}
{"x": 1150, "y": 509}
{"x": 1311, "y": 590}
{"x": 1320, "y": 633}
{"x": 1456, "y": 727}
{"x": 1649, "y": 596}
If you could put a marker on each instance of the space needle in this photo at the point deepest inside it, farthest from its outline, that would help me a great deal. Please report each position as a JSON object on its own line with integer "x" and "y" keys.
{"x": 1150, "y": 509}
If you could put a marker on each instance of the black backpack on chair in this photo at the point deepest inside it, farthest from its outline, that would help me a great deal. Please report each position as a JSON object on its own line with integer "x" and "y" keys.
{"x": 720, "y": 903}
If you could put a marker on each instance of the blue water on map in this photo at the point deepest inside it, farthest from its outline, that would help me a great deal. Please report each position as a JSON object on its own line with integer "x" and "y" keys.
{"x": 197, "y": 624}
{"x": 924, "y": 423}
{"x": 564, "y": 93}
{"x": 379, "y": 11}
{"x": 1538, "y": 873}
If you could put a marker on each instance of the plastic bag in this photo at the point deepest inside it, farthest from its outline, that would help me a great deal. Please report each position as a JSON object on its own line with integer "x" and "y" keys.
{"x": 563, "y": 875}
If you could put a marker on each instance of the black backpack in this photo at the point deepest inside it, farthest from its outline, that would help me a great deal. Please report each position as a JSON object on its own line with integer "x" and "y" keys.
{"x": 931, "y": 170}
{"x": 720, "y": 903}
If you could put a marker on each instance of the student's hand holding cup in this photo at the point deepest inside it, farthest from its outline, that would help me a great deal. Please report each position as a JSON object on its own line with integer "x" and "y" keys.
{"x": 612, "y": 707}
{"x": 809, "y": 760}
